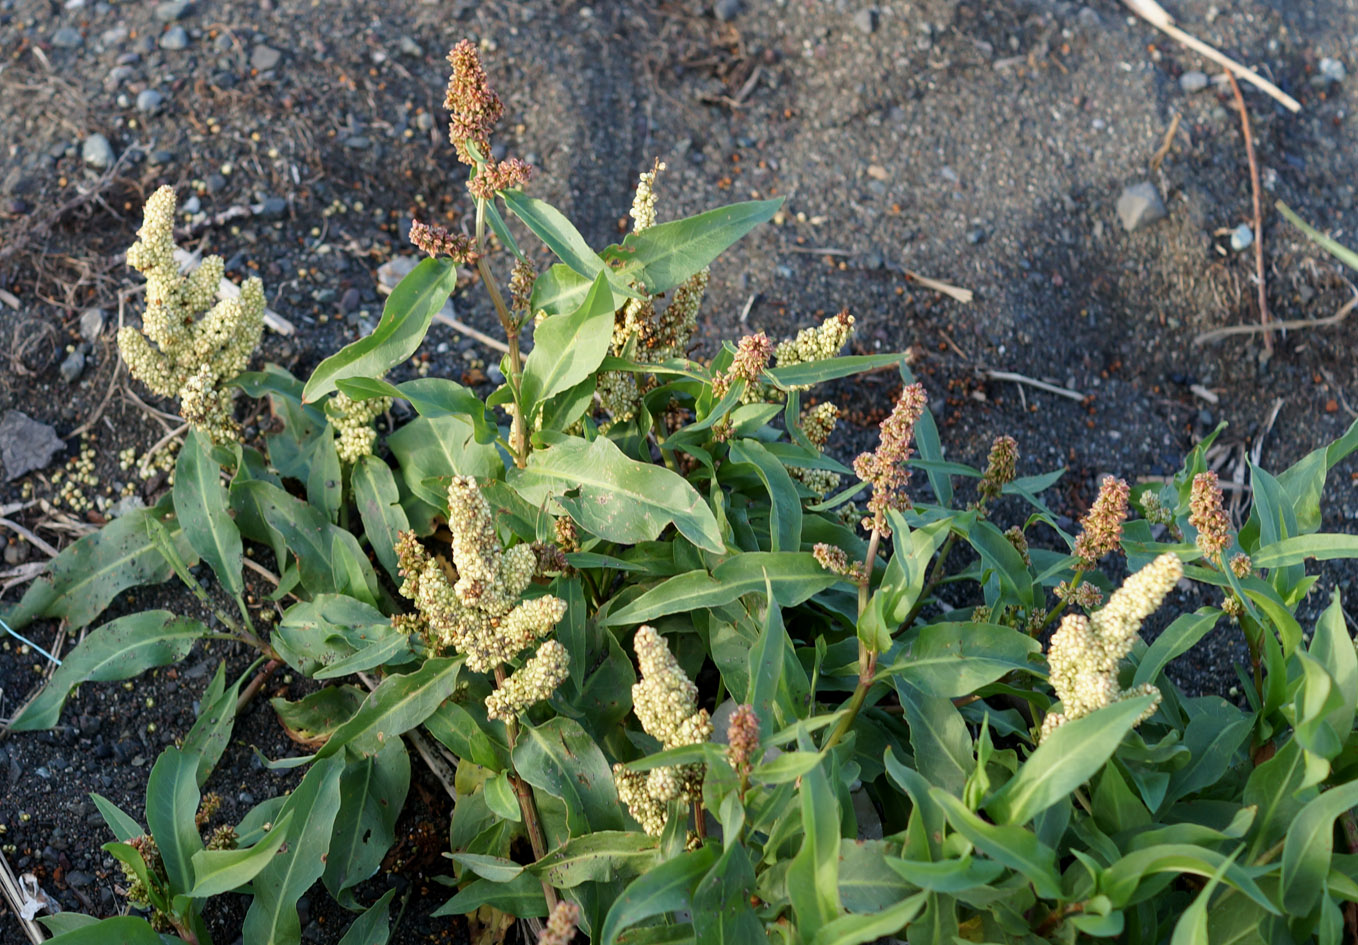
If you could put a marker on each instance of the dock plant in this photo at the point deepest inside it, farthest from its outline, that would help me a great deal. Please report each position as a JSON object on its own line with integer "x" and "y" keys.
{"x": 701, "y": 680}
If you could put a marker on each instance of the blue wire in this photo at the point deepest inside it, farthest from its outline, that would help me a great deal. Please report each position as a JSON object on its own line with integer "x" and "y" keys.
{"x": 25, "y": 639}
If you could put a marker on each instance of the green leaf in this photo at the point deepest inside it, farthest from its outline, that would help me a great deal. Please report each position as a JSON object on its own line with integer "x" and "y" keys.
{"x": 787, "y": 767}
{"x": 1121, "y": 880}
{"x": 86, "y": 577}
{"x": 664, "y": 255}
{"x": 372, "y": 793}
{"x": 1191, "y": 929}
{"x": 948, "y": 876}
{"x": 722, "y": 914}
{"x": 66, "y": 922}
{"x": 433, "y": 448}
{"x": 560, "y": 758}
{"x": 1308, "y": 846}
{"x": 1333, "y": 649}
{"x": 316, "y": 634}
{"x": 866, "y": 883}
{"x": 520, "y": 897}
{"x": 500, "y": 797}
{"x": 1323, "y": 546}
{"x": 667, "y": 888}
{"x": 939, "y": 737}
{"x": 858, "y": 929}
{"x": 794, "y": 577}
{"x": 379, "y": 504}
{"x": 551, "y": 226}
{"x": 1175, "y": 640}
{"x": 315, "y": 716}
{"x": 559, "y": 290}
{"x": 1067, "y": 758}
{"x": 120, "y": 649}
{"x": 431, "y": 397}
{"x": 220, "y": 871}
{"x": 273, "y": 919}
{"x": 785, "y": 508}
{"x": 124, "y": 828}
{"x": 456, "y": 728}
{"x": 397, "y": 705}
{"x": 374, "y": 926}
{"x": 620, "y": 499}
{"x": 123, "y": 929}
{"x": 410, "y": 308}
{"x": 1016, "y": 848}
{"x": 211, "y": 731}
{"x": 955, "y": 659}
{"x": 171, "y": 804}
{"x": 323, "y": 479}
{"x": 999, "y": 553}
{"x": 200, "y": 505}
{"x": 831, "y": 369}
{"x": 494, "y": 868}
{"x": 598, "y": 857}
{"x": 568, "y": 348}
{"x": 813, "y": 874}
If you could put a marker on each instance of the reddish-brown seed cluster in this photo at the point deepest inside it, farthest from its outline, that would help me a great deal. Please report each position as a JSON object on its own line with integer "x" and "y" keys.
{"x": 885, "y": 469}
{"x": 1102, "y": 525}
{"x": 1206, "y": 514}
{"x": 473, "y": 106}
{"x": 435, "y": 241}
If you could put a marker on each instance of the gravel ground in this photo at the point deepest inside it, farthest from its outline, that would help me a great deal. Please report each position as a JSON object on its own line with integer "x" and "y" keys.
{"x": 983, "y": 144}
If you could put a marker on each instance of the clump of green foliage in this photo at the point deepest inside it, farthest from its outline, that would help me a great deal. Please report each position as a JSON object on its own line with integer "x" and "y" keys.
{"x": 694, "y": 693}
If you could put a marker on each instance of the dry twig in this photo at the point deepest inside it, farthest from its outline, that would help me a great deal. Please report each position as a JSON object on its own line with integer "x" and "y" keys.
{"x": 962, "y": 295}
{"x": 1158, "y": 158}
{"x": 1065, "y": 392}
{"x": 1258, "y": 213}
{"x": 1217, "y": 334}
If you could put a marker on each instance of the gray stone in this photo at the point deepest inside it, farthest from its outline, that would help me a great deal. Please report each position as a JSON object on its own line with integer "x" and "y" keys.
{"x": 726, "y": 10}
{"x": 409, "y": 47}
{"x": 192, "y": 205}
{"x": 172, "y": 10}
{"x": 866, "y": 20}
{"x": 128, "y": 503}
{"x": 494, "y": 374}
{"x": 117, "y": 76}
{"x": 274, "y": 208}
{"x": 1242, "y": 237}
{"x": 1333, "y": 69}
{"x": 149, "y": 101}
{"x": 1193, "y": 81}
{"x": 357, "y": 142}
{"x": 113, "y": 36}
{"x": 17, "y": 553}
{"x": 26, "y": 444}
{"x": 1139, "y": 205}
{"x": 97, "y": 152}
{"x": 68, "y": 37}
{"x": 424, "y": 121}
{"x": 263, "y": 58}
{"x": 91, "y": 324}
{"x": 161, "y": 156}
{"x": 174, "y": 39}
{"x": 73, "y": 366}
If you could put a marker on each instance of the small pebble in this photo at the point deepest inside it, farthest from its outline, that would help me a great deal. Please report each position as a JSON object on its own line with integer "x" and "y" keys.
{"x": 68, "y": 37}
{"x": 726, "y": 10}
{"x": 1242, "y": 237}
{"x": 866, "y": 20}
{"x": 409, "y": 47}
{"x": 174, "y": 39}
{"x": 97, "y": 152}
{"x": 1333, "y": 69}
{"x": 149, "y": 101}
{"x": 274, "y": 208}
{"x": 73, "y": 366}
{"x": 264, "y": 58}
{"x": 91, "y": 324}
{"x": 1139, "y": 205}
{"x": 172, "y": 10}
{"x": 1193, "y": 81}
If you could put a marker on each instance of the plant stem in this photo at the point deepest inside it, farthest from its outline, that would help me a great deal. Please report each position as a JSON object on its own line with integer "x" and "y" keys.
{"x": 699, "y": 819}
{"x": 256, "y": 684}
{"x": 527, "y": 806}
{"x": 867, "y": 660}
{"x": 518, "y": 435}
{"x": 1061, "y": 605}
{"x": 658, "y": 431}
{"x": 1056, "y": 917}
{"x": 935, "y": 576}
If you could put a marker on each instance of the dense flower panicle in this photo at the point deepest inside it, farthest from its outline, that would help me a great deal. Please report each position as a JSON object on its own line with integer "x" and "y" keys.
{"x": 535, "y": 681}
{"x": 818, "y": 422}
{"x": 821, "y": 343}
{"x": 473, "y": 106}
{"x": 434, "y": 241}
{"x": 836, "y": 561}
{"x": 1086, "y": 595}
{"x": 521, "y": 281}
{"x": 1207, "y": 515}
{"x": 742, "y": 737}
{"x": 752, "y": 357}
{"x": 1001, "y": 467}
{"x": 190, "y": 344}
{"x": 1241, "y": 566}
{"x": 560, "y": 927}
{"x": 353, "y": 423}
{"x": 1154, "y": 509}
{"x": 666, "y": 700}
{"x": 1084, "y": 652}
{"x": 1014, "y": 534}
{"x": 1101, "y": 528}
{"x": 643, "y": 202}
{"x": 885, "y": 469}
{"x": 648, "y": 811}
{"x": 495, "y": 176}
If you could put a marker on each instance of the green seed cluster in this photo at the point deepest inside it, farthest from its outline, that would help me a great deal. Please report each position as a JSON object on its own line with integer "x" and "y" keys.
{"x": 189, "y": 344}
{"x": 821, "y": 343}
{"x": 353, "y": 423}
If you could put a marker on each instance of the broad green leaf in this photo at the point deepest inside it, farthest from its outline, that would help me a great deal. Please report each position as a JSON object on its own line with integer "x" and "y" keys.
{"x": 948, "y": 876}
{"x": 1015, "y": 847}
{"x": 722, "y": 914}
{"x": 273, "y": 919}
{"x": 398, "y": 704}
{"x": 316, "y": 634}
{"x": 86, "y": 577}
{"x": 1067, "y": 758}
{"x": 858, "y": 929}
{"x": 866, "y": 883}
{"x": 1275, "y": 788}
{"x": 410, "y": 308}
{"x": 520, "y": 897}
{"x": 560, "y": 758}
{"x": 1191, "y": 929}
{"x": 65, "y": 922}
{"x": 120, "y": 649}
{"x": 456, "y": 728}
{"x": 315, "y": 716}
{"x": 787, "y": 767}
{"x": 494, "y": 868}
{"x": 598, "y": 857}
{"x": 559, "y": 290}
{"x": 211, "y": 731}
{"x": 433, "y": 448}
{"x": 813, "y": 874}
{"x": 794, "y": 577}
{"x": 372, "y": 794}
{"x": 568, "y": 348}
{"x": 1309, "y": 845}
{"x": 323, "y": 480}
{"x": 123, "y": 929}
{"x": 1175, "y": 640}
{"x": 664, "y": 255}
{"x": 124, "y": 828}
{"x": 551, "y": 226}
{"x": 431, "y": 397}
{"x": 379, "y": 505}
{"x": 785, "y": 508}
{"x": 620, "y": 499}
{"x": 500, "y": 797}
{"x": 374, "y": 926}
{"x": 1323, "y": 546}
{"x": 220, "y": 871}
{"x": 1333, "y": 648}
{"x": 939, "y": 738}
{"x": 200, "y": 505}
{"x": 375, "y": 654}
{"x": 1121, "y": 880}
{"x": 998, "y": 553}
{"x": 171, "y": 804}
{"x": 955, "y": 659}
{"x": 667, "y": 888}
{"x": 831, "y": 369}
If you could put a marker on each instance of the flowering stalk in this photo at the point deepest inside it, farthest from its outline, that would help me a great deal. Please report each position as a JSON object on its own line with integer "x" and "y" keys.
{"x": 527, "y": 805}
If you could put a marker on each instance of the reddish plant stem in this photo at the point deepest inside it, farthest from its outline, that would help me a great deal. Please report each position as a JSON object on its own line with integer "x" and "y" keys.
{"x": 1258, "y": 212}
{"x": 527, "y": 806}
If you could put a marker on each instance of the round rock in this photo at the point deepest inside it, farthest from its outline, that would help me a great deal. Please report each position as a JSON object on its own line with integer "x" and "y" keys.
{"x": 1242, "y": 237}
{"x": 174, "y": 38}
{"x": 263, "y": 58}
{"x": 149, "y": 101}
{"x": 1193, "y": 81}
{"x": 97, "y": 152}
{"x": 1139, "y": 205}
{"x": 68, "y": 37}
